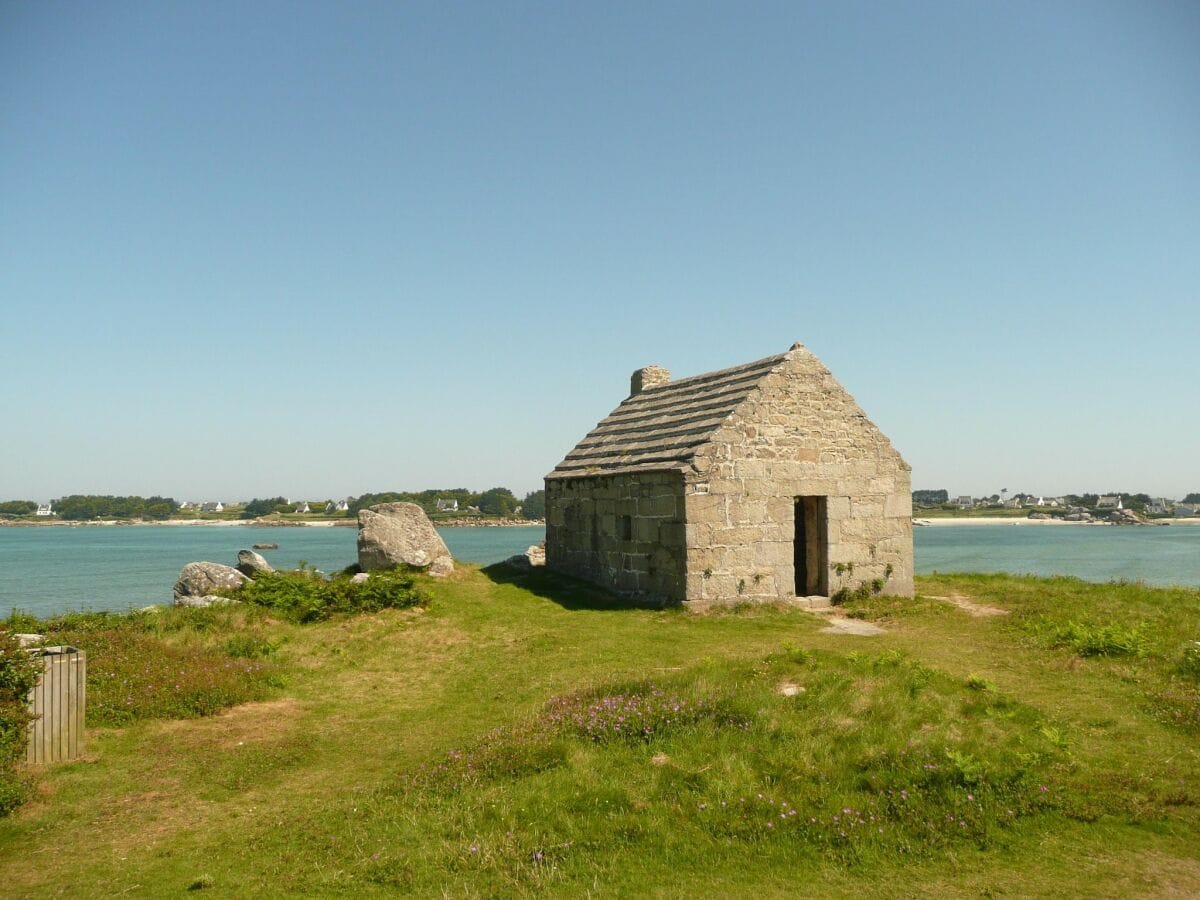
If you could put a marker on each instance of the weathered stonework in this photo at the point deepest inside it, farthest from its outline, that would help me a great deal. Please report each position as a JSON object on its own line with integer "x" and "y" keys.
{"x": 765, "y": 481}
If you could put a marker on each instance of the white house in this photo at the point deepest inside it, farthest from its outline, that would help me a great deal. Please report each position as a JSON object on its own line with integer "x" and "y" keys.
{"x": 336, "y": 506}
{"x": 213, "y": 506}
{"x": 44, "y": 510}
{"x": 1108, "y": 501}
{"x": 964, "y": 502}
{"x": 447, "y": 506}
{"x": 1159, "y": 506}
{"x": 302, "y": 506}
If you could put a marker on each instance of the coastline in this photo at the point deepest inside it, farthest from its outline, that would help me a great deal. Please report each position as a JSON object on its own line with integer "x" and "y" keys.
{"x": 942, "y": 521}
{"x": 253, "y": 523}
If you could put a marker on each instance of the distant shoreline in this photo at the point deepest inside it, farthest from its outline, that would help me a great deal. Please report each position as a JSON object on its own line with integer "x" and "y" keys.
{"x": 252, "y": 523}
{"x": 942, "y": 521}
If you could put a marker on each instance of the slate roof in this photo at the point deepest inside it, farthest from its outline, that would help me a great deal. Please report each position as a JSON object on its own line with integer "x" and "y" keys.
{"x": 662, "y": 427}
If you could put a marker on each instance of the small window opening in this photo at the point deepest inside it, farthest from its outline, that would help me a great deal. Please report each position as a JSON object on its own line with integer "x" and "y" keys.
{"x": 627, "y": 528}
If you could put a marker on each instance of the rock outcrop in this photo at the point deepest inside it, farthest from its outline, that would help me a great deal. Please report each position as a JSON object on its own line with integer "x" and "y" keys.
{"x": 250, "y": 563}
{"x": 1125, "y": 517}
{"x": 200, "y": 579}
{"x": 393, "y": 534}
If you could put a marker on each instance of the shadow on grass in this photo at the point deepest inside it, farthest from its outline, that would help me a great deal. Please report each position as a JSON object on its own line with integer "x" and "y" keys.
{"x": 569, "y": 593}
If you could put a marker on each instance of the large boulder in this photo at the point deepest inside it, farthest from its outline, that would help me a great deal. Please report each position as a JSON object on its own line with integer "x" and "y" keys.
{"x": 251, "y": 563}
{"x": 202, "y": 579}
{"x": 394, "y": 534}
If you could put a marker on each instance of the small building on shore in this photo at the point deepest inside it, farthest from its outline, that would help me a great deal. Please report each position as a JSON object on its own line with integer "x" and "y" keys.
{"x": 44, "y": 509}
{"x": 765, "y": 481}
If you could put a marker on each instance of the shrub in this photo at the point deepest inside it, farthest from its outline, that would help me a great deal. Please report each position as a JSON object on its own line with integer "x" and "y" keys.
{"x": 134, "y": 674}
{"x": 18, "y": 674}
{"x": 638, "y": 715}
{"x": 305, "y": 595}
{"x": 1101, "y": 640}
{"x": 1189, "y": 664}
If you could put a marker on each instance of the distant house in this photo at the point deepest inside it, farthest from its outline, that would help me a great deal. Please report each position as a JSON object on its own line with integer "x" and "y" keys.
{"x": 1182, "y": 510}
{"x": 1159, "y": 506}
{"x": 44, "y": 510}
{"x": 336, "y": 506}
{"x": 964, "y": 502}
{"x": 213, "y": 506}
{"x": 1108, "y": 501}
{"x": 447, "y": 506}
{"x": 302, "y": 506}
{"x": 186, "y": 504}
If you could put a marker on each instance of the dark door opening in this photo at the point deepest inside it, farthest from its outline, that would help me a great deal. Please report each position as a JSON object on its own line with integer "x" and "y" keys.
{"x": 811, "y": 548}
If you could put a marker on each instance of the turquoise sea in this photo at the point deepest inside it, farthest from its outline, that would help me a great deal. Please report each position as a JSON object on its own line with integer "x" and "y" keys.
{"x": 50, "y": 570}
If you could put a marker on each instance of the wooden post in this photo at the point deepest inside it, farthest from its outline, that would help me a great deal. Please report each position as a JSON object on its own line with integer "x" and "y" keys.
{"x": 59, "y": 701}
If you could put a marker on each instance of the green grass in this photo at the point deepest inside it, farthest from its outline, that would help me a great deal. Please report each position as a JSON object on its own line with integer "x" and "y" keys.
{"x": 529, "y": 735}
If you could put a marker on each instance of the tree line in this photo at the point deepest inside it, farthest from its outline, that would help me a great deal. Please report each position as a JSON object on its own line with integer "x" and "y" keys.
{"x": 1136, "y": 502}
{"x": 498, "y": 501}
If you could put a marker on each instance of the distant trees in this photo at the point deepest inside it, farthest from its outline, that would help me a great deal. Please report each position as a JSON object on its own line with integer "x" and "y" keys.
{"x": 499, "y": 501}
{"x": 82, "y": 507}
{"x": 263, "y": 507}
{"x": 1193, "y": 497}
{"x": 17, "y": 507}
{"x": 1137, "y": 502}
{"x": 930, "y": 498}
{"x": 534, "y": 505}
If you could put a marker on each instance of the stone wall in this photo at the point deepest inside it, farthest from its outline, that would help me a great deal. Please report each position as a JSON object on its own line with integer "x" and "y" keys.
{"x": 799, "y": 434}
{"x": 624, "y": 532}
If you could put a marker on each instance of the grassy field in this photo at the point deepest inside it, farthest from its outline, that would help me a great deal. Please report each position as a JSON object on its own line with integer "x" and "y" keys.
{"x": 523, "y": 735}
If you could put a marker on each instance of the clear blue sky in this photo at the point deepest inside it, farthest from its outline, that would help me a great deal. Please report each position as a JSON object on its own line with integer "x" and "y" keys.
{"x": 322, "y": 249}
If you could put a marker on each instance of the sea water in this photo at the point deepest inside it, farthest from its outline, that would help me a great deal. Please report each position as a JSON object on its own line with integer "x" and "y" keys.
{"x": 51, "y": 570}
{"x": 56, "y": 569}
{"x": 1160, "y": 555}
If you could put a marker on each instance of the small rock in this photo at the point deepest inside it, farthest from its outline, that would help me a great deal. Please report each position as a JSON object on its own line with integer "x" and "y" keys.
{"x": 788, "y": 689}
{"x": 30, "y": 640}
{"x": 441, "y": 567}
{"x": 200, "y": 579}
{"x": 266, "y": 546}
{"x": 360, "y": 577}
{"x": 251, "y": 563}
{"x": 207, "y": 600}
{"x": 535, "y": 556}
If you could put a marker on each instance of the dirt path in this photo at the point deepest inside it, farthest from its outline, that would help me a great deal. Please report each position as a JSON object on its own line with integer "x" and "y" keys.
{"x": 971, "y": 608}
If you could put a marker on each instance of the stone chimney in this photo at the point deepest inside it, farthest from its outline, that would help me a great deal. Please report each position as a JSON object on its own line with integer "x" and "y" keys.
{"x": 646, "y": 378}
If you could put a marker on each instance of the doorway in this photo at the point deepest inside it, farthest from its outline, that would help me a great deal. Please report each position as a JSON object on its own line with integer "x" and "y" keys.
{"x": 811, "y": 548}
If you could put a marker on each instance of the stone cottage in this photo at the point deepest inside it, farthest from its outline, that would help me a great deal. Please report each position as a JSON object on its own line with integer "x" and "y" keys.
{"x": 762, "y": 482}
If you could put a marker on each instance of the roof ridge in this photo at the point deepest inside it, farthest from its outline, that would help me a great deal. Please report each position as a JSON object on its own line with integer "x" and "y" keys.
{"x": 758, "y": 363}
{"x": 660, "y": 428}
